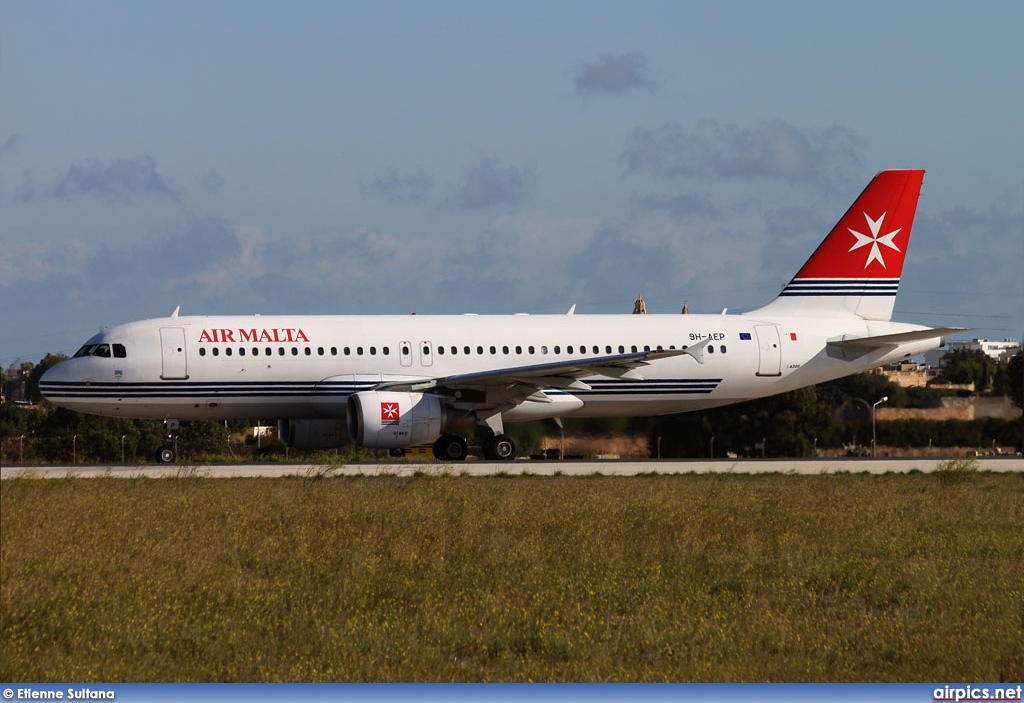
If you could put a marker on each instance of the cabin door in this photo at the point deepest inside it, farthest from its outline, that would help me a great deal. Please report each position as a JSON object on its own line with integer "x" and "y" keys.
{"x": 172, "y": 350}
{"x": 769, "y": 349}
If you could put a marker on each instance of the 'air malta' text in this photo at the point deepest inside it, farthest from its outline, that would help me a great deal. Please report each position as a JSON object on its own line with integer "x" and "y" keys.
{"x": 253, "y": 334}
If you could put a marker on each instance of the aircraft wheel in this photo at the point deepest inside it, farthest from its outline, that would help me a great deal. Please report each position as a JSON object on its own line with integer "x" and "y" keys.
{"x": 396, "y": 453}
{"x": 164, "y": 455}
{"x": 500, "y": 448}
{"x": 451, "y": 447}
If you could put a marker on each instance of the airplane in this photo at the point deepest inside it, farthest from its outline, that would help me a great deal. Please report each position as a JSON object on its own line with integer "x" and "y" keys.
{"x": 398, "y": 381}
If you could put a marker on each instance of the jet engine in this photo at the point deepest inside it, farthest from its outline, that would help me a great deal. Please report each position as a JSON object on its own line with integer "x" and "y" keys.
{"x": 390, "y": 420}
{"x": 312, "y": 434}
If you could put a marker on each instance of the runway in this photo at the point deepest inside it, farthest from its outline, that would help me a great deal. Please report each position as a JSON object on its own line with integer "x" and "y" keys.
{"x": 514, "y": 468}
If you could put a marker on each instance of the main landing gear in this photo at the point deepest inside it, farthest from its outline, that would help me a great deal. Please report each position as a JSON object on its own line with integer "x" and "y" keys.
{"x": 500, "y": 448}
{"x": 167, "y": 453}
{"x": 450, "y": 447}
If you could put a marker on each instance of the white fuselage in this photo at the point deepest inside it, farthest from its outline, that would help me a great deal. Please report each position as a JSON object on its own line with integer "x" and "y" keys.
{"x": 284, "y": 367}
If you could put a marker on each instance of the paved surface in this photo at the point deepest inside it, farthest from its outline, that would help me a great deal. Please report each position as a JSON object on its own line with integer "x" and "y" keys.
{"x": 541, "y": 468}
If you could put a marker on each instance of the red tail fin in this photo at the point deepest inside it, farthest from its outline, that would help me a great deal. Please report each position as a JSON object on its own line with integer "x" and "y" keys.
{"x": 858, "y": 266}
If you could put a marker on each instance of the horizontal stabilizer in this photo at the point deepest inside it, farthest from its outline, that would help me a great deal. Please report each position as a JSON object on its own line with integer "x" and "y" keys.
{"x": 854, "y": 347}
{"x": 888, "y": 340}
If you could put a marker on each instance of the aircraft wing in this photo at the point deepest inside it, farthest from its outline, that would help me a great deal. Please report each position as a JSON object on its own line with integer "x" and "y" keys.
{"x": 522, "y": 382}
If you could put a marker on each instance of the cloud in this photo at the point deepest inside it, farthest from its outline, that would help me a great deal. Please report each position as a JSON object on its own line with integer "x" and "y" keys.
{"x": 489, "y": 183}
{"x": 682, "y": 208}
{"x": 401, "y": 187}
{"x": 617, "y": 265}
{"x": 211, "y": 182}
{"x": 613, "y": 73}
{"x": 26, "y": 192}
{"x": 776, "y": 150}
{"x": 119, "y": 180}
{"x": 11, "y": 146}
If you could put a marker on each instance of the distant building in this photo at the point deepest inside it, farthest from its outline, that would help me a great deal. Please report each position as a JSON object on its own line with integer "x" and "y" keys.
{"x": 906, "y": 373}
{"x": 1000, "y": 351}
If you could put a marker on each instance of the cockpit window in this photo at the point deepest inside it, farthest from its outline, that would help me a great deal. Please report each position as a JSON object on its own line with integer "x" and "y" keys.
{"x": 118, "y": 351}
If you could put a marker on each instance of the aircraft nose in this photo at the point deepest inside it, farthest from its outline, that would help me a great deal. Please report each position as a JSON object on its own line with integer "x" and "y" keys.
{"x": 51, "y": 380}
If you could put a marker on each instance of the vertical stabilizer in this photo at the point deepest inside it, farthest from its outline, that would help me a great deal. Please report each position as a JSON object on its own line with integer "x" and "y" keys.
{"x": 857, "y": 267}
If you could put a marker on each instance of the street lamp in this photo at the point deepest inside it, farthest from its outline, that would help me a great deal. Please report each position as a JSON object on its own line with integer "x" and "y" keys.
{"x": 74, "y": 449}
{"x": 122, "y": 450}
{"x": 875, "y": 405}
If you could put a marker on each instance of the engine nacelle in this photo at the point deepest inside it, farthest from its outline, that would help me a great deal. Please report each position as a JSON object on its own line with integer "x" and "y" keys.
{"x": 390, "y": 420}
{"x": 312, "y": 434}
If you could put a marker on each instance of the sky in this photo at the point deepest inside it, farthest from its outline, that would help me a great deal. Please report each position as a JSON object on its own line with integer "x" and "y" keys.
{"x": 239, "y": 157}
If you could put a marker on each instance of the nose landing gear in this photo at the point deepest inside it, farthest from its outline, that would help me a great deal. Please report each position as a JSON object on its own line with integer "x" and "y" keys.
{"x": 167, "y": 453}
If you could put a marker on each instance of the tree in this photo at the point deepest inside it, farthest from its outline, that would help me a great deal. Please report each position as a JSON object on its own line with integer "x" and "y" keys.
{"x": 969, "y": 366}
{"x": 32, "y": 393}
{"x": 1015, "y": 379}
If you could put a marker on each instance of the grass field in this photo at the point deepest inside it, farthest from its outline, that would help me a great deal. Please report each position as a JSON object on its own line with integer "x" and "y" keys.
{"x": 453, "y": 578}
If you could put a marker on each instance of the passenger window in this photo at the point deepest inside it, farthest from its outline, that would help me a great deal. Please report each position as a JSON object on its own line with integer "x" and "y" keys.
{"x": 216, "y": 351}
{"x": 319, "y": 351}
{"x": 202, "y": 351}
{"x": 530, "y": 349}
{"x": 711, "y": 349}
{"x": 241, "y": 351}
{"x": 386, "y": 351}
{"x": 373, "y": 351}
{"x": 255, "y": 351}
{"x": 309, "y": 352}
{"x": 722, "y": 349}
{"x": 622, "y": 349}
{"x": 268, "y": 351}
{"x": 227, "y": 352}
{"x": 280, "y": 351}
{"x": 334, "y": 351}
